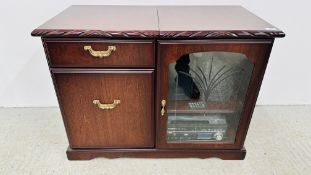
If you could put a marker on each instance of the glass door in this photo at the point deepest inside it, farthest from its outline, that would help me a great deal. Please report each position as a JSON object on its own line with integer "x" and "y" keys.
{"x": 204, "y": 94}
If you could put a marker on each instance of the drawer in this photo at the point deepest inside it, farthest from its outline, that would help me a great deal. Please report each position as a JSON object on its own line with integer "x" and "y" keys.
{"x": 100, "y": 53}
{"x": 104, "y": 109}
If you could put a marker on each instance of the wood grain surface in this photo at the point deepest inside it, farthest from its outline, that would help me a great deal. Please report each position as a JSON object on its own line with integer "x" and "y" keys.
{"x": 157, "y": 22}
{"x": 87, "y": 154}
{"x": 213, "y": 22}
{"x": 71, "y": 53}
{"x": 129, "y": 125}
{"x": 102, "y": 21}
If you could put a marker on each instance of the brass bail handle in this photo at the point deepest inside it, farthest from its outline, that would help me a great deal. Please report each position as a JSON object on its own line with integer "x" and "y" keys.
{"x": 163, "y": 103}
{"x": 106, "y": 106}
{"x": 100, "y": 54}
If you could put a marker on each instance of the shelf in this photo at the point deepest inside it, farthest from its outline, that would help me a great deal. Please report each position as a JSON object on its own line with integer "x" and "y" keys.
{"x": 182, "y": 106}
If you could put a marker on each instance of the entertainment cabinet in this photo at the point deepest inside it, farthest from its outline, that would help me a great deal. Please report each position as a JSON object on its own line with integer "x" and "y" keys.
{"x": 157, "y": 81}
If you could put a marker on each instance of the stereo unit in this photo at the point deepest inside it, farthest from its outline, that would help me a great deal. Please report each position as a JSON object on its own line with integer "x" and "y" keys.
{"x": 196, "y": 128}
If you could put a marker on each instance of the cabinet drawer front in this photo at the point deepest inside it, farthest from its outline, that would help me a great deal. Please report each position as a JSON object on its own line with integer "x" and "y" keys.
{"x": 128, "y": 123}
{"x": 107, "y": 53}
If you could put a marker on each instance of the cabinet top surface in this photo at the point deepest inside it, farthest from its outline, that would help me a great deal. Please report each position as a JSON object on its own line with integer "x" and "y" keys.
{"x": 157, "y": 22}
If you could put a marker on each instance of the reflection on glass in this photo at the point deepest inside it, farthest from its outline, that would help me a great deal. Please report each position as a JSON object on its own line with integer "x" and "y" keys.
{"x": 206, "y": 96}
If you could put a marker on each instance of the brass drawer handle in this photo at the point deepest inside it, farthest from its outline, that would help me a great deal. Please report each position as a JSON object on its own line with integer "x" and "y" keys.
{"x": 106, "y": 106}
{"x": 163, "y": 103}
{"x": 100, "y": 54}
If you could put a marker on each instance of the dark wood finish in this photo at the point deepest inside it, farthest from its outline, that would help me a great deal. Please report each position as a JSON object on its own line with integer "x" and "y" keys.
{"x": 71, "y": 53}
{"x": 234, "y": 34}
{"x": 157, "y": 22}
{"x": 147, "y": 38}
{"x": 129, "y": 125}
{"x": 213, "y": 22}
{"x": 257, "y": 51}
{"x": 102, "y": 21}
{"x": 87, "y": 154}
{"x": 105, "y": 70}
{"x": 93, "y": 33}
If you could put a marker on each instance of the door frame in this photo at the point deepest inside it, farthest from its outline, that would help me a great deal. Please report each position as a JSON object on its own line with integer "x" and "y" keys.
{"x": 257, "y": 51}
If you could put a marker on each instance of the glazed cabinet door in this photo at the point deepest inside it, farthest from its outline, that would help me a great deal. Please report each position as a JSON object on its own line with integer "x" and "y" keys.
{"x": 207, "y": 91}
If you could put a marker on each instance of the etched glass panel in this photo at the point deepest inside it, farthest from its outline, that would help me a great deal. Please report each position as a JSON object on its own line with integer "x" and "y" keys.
{"x": 206, "y": 96}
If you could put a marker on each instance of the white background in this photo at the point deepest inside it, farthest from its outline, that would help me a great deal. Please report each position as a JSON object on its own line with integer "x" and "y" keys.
{"x": 25, "y": 79}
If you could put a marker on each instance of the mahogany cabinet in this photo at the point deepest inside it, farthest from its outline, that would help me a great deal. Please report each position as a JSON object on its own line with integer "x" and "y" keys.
{"x": 166, "y": 81}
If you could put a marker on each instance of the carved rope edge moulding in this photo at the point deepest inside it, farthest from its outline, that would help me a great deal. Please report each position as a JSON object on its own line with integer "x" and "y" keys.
{"x": 153, "y": 34}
